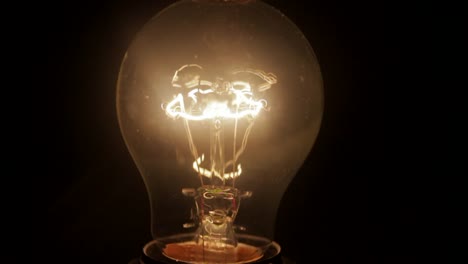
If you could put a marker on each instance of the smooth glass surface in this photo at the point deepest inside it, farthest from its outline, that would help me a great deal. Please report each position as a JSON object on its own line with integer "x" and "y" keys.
{"x": 219, "y": 104}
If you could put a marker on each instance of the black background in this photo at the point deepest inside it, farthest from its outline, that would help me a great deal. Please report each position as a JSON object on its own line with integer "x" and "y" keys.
{"x": 345, "y": 204}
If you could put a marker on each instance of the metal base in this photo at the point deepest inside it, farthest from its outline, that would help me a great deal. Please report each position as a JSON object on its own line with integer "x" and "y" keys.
{"x": 153, "y": 252}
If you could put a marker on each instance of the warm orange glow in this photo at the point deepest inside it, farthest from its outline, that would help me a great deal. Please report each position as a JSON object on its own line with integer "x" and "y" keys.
{"x": 216, "y": 100}
{"x": 243, "y": 103}
{"x": 209, "y": 174}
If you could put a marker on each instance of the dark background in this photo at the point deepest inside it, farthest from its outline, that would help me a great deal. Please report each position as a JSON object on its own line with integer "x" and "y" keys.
{"x": 346, "y": 203}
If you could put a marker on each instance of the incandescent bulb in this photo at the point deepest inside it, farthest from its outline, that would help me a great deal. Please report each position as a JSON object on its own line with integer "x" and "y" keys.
{"x": 219, "y": 103}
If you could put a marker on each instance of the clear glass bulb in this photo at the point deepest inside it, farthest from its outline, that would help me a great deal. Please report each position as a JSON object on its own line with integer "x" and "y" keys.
{"x": 219, "y": 103}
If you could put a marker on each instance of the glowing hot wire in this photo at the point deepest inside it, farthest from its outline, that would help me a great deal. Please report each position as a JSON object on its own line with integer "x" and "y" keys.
{"x": 209, "y": 174}
{"x": 243, "y": 99}
{"x": 218, "y": 100}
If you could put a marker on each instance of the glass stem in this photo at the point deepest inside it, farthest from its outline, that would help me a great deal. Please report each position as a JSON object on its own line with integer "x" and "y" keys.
{"x": 217, "y": 153}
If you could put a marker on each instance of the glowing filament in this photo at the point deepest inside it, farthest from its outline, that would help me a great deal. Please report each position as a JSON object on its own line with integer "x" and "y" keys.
{"x": 244, "y": 104}
{"x": 217, "y": 100}
{"x": 209, "y": 174}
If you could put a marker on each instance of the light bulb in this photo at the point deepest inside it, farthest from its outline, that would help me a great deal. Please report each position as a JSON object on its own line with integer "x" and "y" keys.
{"x": 219, "y": 103}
